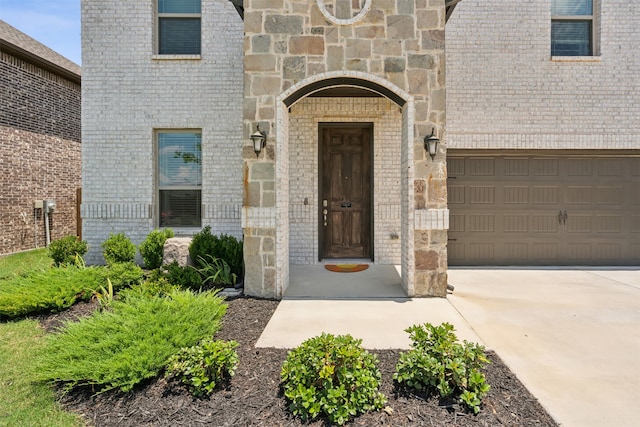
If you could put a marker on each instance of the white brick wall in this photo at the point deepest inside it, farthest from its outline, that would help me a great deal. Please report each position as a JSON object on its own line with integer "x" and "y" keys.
{"x": 505, "y": 91}
{"x": 303, "y": 184}
{"x": 128, "y": 93}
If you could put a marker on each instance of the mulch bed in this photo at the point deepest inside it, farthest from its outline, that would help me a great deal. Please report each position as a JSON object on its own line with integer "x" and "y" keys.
{"x": 253, "y": 397}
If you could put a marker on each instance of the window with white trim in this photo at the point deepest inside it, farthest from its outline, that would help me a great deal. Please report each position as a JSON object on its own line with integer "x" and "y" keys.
{"x": 178, "y": 27}
{"x": 179, "y": 170}
{"x": 573, "y": 28}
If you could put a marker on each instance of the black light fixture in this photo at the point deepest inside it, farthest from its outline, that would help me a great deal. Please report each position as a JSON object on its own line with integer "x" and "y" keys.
{"x": 431, "y": 144}
{"x": 258, "y": 138}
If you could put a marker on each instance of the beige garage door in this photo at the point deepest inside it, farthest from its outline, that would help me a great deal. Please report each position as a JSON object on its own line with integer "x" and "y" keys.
{"x": 544, "y": 209}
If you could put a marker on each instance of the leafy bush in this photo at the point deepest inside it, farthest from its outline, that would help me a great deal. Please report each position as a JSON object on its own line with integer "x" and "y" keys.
{"x": 438, "y": 362}
{"x": 118, "y": 248}
{"x": 122, "y": 275}
{"x": 130, "y": 343}
{"x": 65, "y": 250}
{"x": 216, "y": 271}
{"x": 152, "y": 248}
{"x": 52, "y": 290}
{"x": 205, "y": 366}
{"x": 224, "y": 246}
{"x": 331, "y": 375}
{"x": 183, "y": 276}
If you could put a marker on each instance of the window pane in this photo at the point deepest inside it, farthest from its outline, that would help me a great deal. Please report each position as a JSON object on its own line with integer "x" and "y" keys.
{"x": 179, "y": 36}
{"x": 178, "y": 6}
{"x": 180, "y": 208}
{"x": 571, "y": 38}
{"x": 572, "y": 7}
{"x": 179, "y": 159}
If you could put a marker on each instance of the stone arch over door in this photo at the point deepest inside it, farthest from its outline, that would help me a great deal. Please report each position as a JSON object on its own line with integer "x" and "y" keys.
{"x": 321, "y": 82}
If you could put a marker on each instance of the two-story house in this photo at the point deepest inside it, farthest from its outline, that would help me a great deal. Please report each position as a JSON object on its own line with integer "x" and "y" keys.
{"x": 329, "y": 129}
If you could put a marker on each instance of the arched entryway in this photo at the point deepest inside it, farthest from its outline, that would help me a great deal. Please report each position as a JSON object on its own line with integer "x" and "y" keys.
{"x": 352, "y": 101}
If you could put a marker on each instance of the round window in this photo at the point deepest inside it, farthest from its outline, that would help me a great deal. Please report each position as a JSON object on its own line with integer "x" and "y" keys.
{"x": 344, "y": 12}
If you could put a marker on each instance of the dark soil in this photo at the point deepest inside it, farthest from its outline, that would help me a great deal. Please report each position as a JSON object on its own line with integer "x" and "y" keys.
{"x": 253, "y": 397}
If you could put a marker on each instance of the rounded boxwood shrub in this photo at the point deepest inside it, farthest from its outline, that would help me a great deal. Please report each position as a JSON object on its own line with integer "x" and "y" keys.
{"x": 332, "y": 376}
{"x": 65, "y": 250}
{"x": 152, "y": 248}
{"x": 118, "y": 248}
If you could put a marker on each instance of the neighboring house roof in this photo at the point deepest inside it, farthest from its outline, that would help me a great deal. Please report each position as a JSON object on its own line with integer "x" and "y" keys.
{"x": 17, "y": 43}
{"x": 449, "y": 4}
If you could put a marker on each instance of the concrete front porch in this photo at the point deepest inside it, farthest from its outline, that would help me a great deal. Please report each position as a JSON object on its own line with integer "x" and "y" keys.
{"x": 316, "y": 282}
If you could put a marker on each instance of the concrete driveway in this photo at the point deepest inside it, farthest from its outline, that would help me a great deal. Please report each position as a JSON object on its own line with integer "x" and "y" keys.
{"x": 571, "y": 336}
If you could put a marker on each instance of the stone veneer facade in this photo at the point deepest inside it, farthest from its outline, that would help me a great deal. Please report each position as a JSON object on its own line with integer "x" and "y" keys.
{"x": 397, "y": 48}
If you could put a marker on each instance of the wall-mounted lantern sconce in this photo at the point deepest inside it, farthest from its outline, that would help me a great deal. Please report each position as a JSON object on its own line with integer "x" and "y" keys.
{"x": 431, "y": 144}
{"x": 258, "y": 138}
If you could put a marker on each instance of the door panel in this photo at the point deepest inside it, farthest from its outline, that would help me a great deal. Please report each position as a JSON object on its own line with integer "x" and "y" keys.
{"x": 346, "y": 186}
{"x": 544, "y": 210}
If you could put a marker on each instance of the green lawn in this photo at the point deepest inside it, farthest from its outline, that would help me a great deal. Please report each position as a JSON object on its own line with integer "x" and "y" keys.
{"x": 24, "y": 402}
{"x": 23, "y": 262}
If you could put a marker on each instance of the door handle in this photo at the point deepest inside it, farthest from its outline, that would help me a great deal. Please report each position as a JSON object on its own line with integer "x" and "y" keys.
{"x": 324, "y": 214}
{"x": 562, "y": 217}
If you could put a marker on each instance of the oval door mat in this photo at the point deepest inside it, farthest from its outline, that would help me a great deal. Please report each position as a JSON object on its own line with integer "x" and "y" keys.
{"x": 346, "y": 268}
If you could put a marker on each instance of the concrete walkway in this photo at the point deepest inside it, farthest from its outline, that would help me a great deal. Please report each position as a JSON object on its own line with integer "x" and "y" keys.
{"x": 571, "y": 336}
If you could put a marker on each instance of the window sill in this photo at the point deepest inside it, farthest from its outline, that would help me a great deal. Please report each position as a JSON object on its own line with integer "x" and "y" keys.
{"x": 576, "y": 59}
{"x": 176, "y": 57}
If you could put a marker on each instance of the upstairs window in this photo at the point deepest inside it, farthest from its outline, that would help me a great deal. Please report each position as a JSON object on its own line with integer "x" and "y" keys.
{"x": 572, "y": 28}
{"x": 180, "y": 178}
{"x": 179, "y": 27}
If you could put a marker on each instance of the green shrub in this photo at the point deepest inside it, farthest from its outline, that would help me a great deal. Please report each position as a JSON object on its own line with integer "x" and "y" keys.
{"x": 205, "y": 366}
{"x": 151, "y": 287}
{"x": 216, "y": 271}
{"x": 118, "y": 248}
{"x": 65, "y": 250}
{"x": 152, "y": 248}
{"x": 331, "y": 375}
{"x": 130, "y": 343}
{"x": 48, "y": 291}
{"x": 183, "y": 276}
{"x": 438, "y": 362}
{"x": 204, "y": 244}
{"x": 122, "y": 275}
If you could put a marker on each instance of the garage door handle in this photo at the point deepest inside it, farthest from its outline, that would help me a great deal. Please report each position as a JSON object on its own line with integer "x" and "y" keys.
{"x": 562, "y": 217}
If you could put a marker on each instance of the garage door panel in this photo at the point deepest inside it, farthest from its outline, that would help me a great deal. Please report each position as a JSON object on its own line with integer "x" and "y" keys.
{"x": 516, "y": 167}
{"x": 610, "y": 195}
{"x": 579, "y": 195}
{"x": 610, "y": 167}
{"x": 518, "y": 223}
{"x": 481, "y": 167}
{"x": 580, "y": 167}
{"x": 534, "y": 210}
{"x": 541, "y": 223}
{"x": 515, "y": 195}
{"x": 456, "y": 194}
{"x": 580, "y": 224}
{"x": 544, "y": 167}
{"x": 481, "y": 223}
{"x": 456, "y": 223}
{"x": 608, "y": 224}
{"x": 455, "y": 166}
{"x": 482, "y": 195}
{"x": 545, "y": 195}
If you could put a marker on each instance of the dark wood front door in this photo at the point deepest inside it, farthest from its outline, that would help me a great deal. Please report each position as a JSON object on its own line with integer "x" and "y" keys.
{"x": 345, "y": 202}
